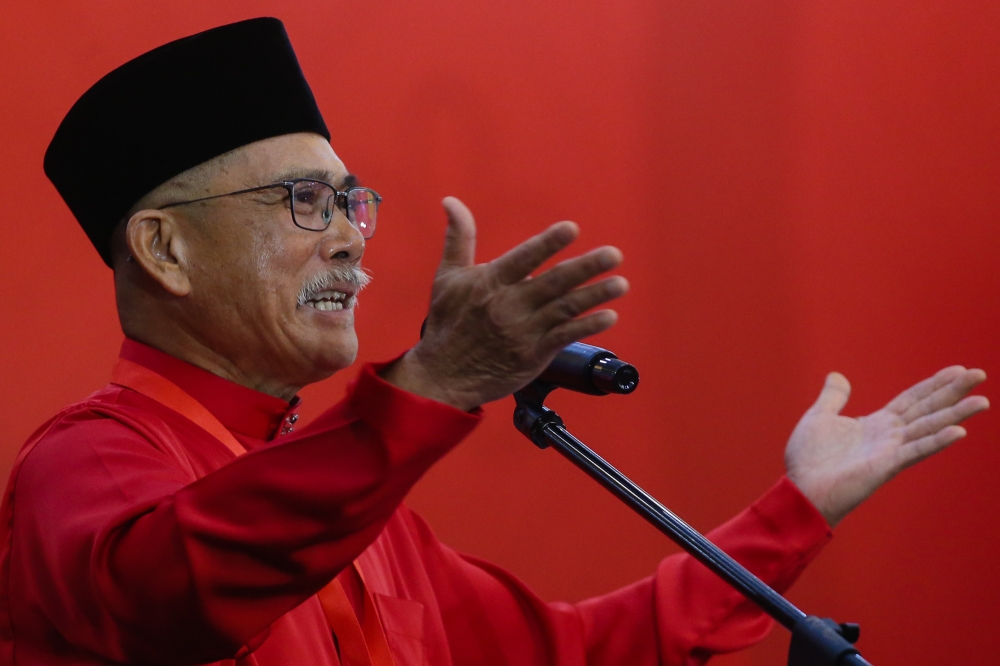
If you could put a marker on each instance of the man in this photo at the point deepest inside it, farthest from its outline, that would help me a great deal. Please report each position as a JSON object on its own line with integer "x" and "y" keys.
{"x": 174, "y": 517}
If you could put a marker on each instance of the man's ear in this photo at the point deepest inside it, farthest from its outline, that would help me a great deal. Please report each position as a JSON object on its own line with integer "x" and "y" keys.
{"x": 156, "y": 244}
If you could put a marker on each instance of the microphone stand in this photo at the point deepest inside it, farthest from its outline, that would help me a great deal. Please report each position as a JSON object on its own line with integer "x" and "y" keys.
{"x": 815, "y": 641}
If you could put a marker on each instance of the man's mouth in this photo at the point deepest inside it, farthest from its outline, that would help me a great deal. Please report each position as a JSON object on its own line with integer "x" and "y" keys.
{"x": 330, "y": 300}
{"x": 336, "y": 289}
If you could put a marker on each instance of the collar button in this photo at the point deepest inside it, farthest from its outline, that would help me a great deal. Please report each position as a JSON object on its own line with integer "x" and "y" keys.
{"x": 286, "y": 425}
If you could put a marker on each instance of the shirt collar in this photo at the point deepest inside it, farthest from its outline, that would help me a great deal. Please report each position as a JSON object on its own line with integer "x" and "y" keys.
{"x": 242, "y": 410}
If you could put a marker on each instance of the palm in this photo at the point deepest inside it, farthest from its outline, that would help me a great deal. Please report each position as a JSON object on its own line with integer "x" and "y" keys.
{"x": 838, "y": 461}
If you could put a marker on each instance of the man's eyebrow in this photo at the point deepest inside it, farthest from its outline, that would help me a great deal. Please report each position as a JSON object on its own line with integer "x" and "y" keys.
{"x": 349, "y": 181}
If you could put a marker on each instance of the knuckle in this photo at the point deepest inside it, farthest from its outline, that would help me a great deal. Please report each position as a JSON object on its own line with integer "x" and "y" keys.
{"x": 557, "y": 282}
{"x": 567, "y": 308}
{"x": 562, "y": 337}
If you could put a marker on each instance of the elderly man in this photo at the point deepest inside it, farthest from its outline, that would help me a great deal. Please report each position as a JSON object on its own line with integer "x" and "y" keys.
{"x": 174, "y": 517}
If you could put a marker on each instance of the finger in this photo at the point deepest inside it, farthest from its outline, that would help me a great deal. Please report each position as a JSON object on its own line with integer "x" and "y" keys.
{"x": 919, "y": 391}
{"x": 945, "y": 396}
{"x": 571, "y": 273}
{"x": 520, "y": 261}
{"x": 834, "y": 395}
{"x": 577, "y": 329}
{"x": 927, "y": 446}
{"x": 460, "y": 237}
{"x": 580, "y": 300}
{"x": 953, "y": 415}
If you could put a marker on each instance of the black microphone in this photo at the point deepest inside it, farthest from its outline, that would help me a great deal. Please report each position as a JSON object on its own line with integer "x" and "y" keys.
{"x": 586, "y": 369}
{"x": 592, "y": 370}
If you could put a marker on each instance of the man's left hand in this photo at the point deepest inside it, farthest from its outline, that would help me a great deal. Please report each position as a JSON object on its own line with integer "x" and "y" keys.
{"x": 838, "y": 462}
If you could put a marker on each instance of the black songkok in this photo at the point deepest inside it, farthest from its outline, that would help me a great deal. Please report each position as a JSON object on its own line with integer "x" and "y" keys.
{"x": 171, "y": 109}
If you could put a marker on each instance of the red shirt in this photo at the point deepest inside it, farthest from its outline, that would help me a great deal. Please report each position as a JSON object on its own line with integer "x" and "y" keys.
{"x": 134, "y": 536}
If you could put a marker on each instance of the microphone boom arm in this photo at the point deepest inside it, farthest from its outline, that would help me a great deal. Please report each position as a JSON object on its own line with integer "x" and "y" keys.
{"x": 815, "y": 641}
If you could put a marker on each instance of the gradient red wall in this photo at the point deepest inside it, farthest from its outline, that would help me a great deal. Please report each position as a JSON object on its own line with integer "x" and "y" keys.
{"x": 797, "y": 187}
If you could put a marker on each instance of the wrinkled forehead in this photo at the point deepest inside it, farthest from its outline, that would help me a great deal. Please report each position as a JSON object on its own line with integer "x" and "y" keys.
{"x": 286, "y": 157}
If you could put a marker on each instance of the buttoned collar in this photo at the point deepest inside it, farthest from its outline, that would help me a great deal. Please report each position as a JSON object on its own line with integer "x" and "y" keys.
{"x": 243, "y": 411}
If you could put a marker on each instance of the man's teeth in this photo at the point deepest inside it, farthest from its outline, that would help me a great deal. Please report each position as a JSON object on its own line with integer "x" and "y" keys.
{"x": 325, "y": 305}
{"x": 328, "y": 300}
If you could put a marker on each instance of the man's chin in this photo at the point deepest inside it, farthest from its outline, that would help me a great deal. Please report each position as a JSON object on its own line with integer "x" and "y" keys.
{"x": 332, "y": 356}
{"x": 327, "y": 345}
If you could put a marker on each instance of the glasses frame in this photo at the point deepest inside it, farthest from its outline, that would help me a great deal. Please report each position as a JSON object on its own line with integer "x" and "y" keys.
{"x": 339, "y": 200}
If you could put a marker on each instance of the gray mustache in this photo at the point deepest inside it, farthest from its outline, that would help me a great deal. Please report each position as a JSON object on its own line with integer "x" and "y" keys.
{"x": 355, "y": 276}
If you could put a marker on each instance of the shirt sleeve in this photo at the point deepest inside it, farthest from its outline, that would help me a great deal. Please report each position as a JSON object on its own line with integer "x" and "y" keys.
{"x": 678, "y": 617}
{"x": 122, "y": 548}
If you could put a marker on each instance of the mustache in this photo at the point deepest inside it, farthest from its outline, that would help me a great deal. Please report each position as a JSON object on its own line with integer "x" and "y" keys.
{"x": 357, "y": 277}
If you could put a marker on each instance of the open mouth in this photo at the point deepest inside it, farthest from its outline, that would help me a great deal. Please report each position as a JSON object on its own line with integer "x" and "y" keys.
{"x": 330, "y": 300}
{"x": 335, "y": 289}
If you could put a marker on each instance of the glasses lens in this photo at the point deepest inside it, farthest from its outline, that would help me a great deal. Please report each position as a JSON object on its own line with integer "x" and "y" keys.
{"x": 362, "y": 209}
{"x": 312, "y": 204}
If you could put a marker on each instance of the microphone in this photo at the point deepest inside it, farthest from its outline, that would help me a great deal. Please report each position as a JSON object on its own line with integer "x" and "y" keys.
{"x": 589, "y": 369}
{"x": 586, "y": 369}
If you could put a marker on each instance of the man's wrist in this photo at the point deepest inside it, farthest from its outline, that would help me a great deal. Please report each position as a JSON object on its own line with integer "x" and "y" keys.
{"x": 411, "y": 375}
{"x": 815, "y": 496}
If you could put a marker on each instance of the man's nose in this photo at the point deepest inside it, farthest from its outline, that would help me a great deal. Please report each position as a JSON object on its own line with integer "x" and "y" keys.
{"x": 342, "y": 241}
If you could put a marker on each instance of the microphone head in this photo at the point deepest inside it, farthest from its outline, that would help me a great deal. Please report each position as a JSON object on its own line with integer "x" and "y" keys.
{"x": 588, "y": 369}
{"x": 612, "y": 375}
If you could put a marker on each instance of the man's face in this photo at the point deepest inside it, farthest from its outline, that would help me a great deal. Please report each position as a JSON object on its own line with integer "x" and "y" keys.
{"x": 250, "y": 266}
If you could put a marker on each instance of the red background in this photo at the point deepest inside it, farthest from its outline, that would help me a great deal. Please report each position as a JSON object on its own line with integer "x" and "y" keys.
{"x": 797, "y": 187}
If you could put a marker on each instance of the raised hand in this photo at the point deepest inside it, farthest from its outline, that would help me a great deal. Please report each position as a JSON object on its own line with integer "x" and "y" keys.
{"x": 838, "y": 462}
{"x": 492, "y": 328}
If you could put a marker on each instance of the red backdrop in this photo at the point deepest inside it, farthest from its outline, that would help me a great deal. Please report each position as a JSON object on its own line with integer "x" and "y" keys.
{"x": 797, "y": 187}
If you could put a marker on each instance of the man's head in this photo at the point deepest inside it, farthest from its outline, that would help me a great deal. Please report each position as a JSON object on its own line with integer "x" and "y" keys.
{"x": 230, "y": 284}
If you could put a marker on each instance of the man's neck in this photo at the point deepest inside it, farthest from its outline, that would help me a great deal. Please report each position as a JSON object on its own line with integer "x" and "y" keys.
{"x": 195, "y": 352}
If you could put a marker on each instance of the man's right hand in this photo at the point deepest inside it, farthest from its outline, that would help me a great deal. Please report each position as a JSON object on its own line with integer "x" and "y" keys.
{"x": 492, "y": 328}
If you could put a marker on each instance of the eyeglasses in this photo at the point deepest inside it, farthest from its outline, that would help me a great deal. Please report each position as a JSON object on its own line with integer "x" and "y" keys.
{"x": 312, "y": 203}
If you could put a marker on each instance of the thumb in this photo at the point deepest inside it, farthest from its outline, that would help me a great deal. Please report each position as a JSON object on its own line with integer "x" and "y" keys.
{"x": 834, "y": 395}
{"x": 460, "y": 237}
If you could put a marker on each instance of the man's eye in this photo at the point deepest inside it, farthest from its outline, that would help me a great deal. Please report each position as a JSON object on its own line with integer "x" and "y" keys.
{"x": 306, "y": 196}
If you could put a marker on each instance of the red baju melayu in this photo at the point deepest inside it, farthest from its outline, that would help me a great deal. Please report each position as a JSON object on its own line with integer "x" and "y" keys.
{"x": 135, "y": 536}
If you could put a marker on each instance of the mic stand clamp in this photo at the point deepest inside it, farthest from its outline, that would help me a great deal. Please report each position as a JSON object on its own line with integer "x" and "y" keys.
{"x": 531, "y": 417}
{"x": 815, "y": 641}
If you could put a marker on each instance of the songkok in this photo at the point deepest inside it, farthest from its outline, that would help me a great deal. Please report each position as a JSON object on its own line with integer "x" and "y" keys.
{"x": 171, "y": 109}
